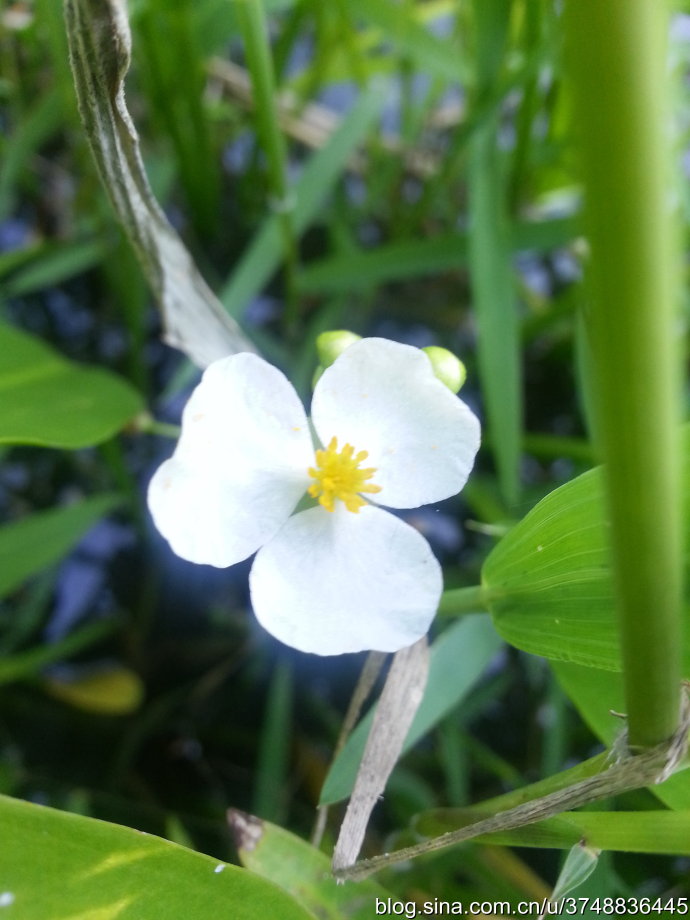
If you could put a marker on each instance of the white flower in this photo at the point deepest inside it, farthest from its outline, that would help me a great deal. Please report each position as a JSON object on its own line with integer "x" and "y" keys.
{"x": 345, "y": 575}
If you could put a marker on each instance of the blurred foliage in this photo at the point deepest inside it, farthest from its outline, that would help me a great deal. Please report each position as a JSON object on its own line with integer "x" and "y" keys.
{"x": 430, "y": 189}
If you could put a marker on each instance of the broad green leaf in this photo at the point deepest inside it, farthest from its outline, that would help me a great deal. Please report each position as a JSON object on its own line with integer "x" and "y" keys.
{"x": 52, "y": 402}
{"x": 458, "y": 658}
{"x": 65, "y": 867}
{"x": 547, "y": 582}
{"x": 35, "y": 542}
{"x": 302, "y": 870}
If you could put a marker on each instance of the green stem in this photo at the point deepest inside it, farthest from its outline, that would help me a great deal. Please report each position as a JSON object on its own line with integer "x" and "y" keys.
{"x": 260, "y": 64}
{"x": 459, "y": 601}
{"x": 147, "y": 424}
{"x": 163, "y": 429}
{"x": 274, "y": 748}
{"x": 618, "y": 69}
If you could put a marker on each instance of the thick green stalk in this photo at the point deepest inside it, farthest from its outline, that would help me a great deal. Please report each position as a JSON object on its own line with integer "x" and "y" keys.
{"x": 260, "y": 64}
{"x": 618, "y": 71}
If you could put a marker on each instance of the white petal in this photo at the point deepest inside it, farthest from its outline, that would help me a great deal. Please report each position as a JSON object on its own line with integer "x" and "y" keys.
{"x": 383, "y": 397}
{"x": 240, "y": 466}
{"x": 339, "y": 582}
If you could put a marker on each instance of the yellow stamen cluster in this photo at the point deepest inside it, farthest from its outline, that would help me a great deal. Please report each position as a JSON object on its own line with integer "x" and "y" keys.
{"x": 337, "y": 475}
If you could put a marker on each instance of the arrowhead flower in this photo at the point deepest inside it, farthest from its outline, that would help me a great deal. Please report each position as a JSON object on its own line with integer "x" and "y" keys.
{"x": 344, "y": 575}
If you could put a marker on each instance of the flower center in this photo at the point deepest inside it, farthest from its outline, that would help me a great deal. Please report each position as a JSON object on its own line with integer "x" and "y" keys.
{"x": 338, "y": 475}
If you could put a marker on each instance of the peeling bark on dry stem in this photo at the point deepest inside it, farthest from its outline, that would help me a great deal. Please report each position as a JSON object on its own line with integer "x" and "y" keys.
{"x": 626, "y": 773}
{"x": 100, "y": 46}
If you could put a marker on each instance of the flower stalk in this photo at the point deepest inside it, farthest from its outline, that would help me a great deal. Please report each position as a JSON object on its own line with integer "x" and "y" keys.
{"x": 617, "y": 64}
{"x": 457, "y": 602}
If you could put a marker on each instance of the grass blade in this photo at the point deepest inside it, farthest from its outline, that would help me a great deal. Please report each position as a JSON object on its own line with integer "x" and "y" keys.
{"x": 490, "y": 255}
{"x": 263, "y": 256}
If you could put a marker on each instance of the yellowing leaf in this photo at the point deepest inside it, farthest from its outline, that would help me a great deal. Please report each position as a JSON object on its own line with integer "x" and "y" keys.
{"x": 115, "y": 690}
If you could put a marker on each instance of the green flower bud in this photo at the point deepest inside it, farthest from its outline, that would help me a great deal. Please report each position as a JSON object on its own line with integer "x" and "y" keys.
{"x": 448, "y": 368}
{"x": 330, "y": 345}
